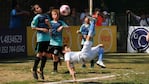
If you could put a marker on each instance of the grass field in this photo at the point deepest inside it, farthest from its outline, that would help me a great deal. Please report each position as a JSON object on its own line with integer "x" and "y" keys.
{"x": 122, "y": 68}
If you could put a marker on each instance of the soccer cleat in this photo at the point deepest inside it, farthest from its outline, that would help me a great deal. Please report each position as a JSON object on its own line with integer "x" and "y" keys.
{"x": 41, "y": 74}
{"x": 100, "y": 63}
{"x": 54, "y": 72}
{"x": 35, "y": 75}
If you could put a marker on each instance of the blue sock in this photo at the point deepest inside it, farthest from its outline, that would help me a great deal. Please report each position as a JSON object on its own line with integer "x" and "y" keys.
{"x": 92, "y": 28}
{"x": 100, "y": 54}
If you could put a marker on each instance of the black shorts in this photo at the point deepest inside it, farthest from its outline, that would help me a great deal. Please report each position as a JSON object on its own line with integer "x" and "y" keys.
{"x": 56, "y": 50}
{"x": 42, "y": 46}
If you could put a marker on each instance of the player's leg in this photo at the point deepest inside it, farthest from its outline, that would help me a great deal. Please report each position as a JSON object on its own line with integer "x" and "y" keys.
{"x": 36, "y": 61}
{"x": 53, "y": 54}
{"x": 56, "y": 52}
{"x": 55, "y": 64}
{"x": 35, "y": 66}
{"x": 43, "y": 62}
{"x": 88, "y": 43}
{"x": 100, "y": 57}
{"x": 90, "y": 35}
{"x": 44, "y": 47}
{"x": 83, "y": 63}
{"x": 91, "y": 29}
{"x": 92, "y": 63}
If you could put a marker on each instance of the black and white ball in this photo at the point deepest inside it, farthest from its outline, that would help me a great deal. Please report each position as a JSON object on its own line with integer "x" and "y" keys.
{"x": 65, "y": 10}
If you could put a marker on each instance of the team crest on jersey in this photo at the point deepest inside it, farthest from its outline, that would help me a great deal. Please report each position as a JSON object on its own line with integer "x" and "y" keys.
{"x": 138, "y": 39}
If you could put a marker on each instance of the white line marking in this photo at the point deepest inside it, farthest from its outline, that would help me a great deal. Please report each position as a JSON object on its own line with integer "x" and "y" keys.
{"x": 79, "y": 80}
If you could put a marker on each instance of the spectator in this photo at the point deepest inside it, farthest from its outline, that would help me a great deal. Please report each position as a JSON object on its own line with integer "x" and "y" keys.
{"x": 49, "y": 11}
{"x": 84, "y": 13}
{"x": 16, "y": 16}
{"x": 143, "y": 20}
{"x": 74, "y": 17}
{"x": 98, "y": 15}
{"x": 106, "y": 19}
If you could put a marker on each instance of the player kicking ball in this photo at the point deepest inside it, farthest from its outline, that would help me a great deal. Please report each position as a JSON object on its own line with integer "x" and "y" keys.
{"x": 87, "y": 53}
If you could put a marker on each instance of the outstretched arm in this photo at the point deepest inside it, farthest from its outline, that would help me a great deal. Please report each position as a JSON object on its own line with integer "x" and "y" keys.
{"x": 133, "y": 14}
{"x": 71, "y": 70}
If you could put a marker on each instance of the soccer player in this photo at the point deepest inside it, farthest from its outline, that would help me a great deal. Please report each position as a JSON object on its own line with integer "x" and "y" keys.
{"x": 87, "y": 53}
{"x": 56, "y": 41}
{"x": 84, "y": 29}
{"x": 41, "y": 24}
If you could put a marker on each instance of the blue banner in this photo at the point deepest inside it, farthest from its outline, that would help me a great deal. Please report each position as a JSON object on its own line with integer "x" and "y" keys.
{"x": 12, "y": 43}
{"x": 137, "y": 39}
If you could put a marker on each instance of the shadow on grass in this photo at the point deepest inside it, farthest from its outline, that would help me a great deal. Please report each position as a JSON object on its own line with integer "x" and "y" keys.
{"x": 90, "y": 72}
{"x": 16, "y": 59}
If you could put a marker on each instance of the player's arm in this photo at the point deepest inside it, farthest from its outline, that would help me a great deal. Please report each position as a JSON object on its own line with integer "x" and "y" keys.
{"x": 133, "y": 14}
{"x": 15, "y": 13}
{"x": 64, "y": 25}
{"x": 22, "y": 12}
{"x": 80, "y": 30}
{"x": 34, "y": 25}
{"x": 71, "y": 70}
{"x": 48, "y": 23}
{"x": 41, "y": 29}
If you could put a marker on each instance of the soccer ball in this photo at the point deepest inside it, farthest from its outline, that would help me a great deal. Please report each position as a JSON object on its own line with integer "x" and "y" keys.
{"x": 64, "y": 10}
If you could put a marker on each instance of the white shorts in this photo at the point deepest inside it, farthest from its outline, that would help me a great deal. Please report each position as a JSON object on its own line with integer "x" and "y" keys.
{"x": 86, "y": 50}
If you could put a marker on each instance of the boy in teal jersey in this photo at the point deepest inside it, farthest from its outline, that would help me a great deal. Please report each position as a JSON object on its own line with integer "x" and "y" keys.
{"x": 56, "y": 41}
{"x": 41, "y": 24}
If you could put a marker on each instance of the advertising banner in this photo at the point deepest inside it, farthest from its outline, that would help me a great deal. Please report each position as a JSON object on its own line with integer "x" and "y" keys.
{"x": 104, "y": 34}
{"x": 12, "y": 43}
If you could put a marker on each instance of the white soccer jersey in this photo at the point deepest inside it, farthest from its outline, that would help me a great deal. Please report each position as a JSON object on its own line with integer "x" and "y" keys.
{"x": 87, "y": 53}
{"x": 73, "y": 57}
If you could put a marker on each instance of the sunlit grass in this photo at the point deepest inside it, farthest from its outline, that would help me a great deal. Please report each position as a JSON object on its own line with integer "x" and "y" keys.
{"x": 128, "y": 69}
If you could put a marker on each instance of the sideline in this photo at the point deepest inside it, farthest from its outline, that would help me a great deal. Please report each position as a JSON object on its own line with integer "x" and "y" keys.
{"x": 80, "y": 80}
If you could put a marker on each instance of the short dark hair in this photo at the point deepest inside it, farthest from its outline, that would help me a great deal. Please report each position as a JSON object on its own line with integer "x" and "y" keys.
{"x": 65, "y": 45}
{"x": 33, "y": 7}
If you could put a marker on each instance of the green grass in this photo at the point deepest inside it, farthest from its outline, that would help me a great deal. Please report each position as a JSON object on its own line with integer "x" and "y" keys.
{"x": 126, "y": 68}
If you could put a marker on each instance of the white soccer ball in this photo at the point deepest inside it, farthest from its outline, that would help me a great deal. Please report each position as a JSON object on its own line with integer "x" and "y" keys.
{"x": 64, "y": 10}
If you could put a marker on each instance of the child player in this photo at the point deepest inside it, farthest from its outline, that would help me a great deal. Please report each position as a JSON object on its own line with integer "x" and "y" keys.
{"x": 84, "y": 29}
{"x": 87, "y": 53}
{"x": 56, "y": 41}
{"x": 41, "y": 24}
